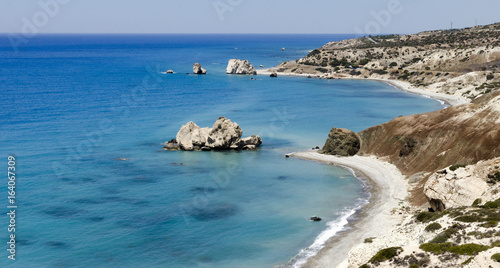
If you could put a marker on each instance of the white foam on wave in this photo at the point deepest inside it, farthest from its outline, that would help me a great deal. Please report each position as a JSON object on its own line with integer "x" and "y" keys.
{"x": 333, "y": 227}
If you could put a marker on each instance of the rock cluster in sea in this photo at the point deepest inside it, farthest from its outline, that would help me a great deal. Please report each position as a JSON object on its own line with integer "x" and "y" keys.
{"x": 197, "y": 69}
{"x": 235, "y": 66}
{"x": 224, "y": 135}
{"x": 341, "y": 142}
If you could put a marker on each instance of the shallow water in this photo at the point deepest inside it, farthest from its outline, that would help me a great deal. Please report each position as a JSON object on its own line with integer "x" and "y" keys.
{"x": 73, "y": 105}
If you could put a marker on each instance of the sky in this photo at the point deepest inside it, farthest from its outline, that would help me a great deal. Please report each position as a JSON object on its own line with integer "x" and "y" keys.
{"x": 243, "y": 16}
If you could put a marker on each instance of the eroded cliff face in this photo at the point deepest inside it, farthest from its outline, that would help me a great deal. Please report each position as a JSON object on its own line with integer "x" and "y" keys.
{"x": 463, "y": 134}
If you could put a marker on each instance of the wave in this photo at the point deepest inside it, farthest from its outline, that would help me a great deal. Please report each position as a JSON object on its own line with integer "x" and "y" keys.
{"x": 333, "y": 228}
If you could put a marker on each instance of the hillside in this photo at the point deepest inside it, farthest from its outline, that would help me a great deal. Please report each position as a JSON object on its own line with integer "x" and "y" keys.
{"x": 462, "y": 62}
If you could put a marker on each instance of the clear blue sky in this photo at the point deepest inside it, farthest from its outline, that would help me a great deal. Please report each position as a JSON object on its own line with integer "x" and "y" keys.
{"x": 243, "y": 16}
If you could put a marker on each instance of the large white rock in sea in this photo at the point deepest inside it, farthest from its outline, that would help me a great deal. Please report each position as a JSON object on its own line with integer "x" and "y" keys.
{"x": 197, "y": 69}
{"x": 235, "y": 66}
{"x": 191, "y": 135}
{"x": 223, "y": 135}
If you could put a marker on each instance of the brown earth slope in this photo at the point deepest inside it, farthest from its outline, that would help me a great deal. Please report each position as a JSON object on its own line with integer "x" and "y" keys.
{"x": 428, "y": 142}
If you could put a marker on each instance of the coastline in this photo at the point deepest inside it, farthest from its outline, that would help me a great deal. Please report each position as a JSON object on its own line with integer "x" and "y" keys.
{"x": 387, "y": 208}
{"x": 378, "y": 218}
{"x": 448, "y": 100}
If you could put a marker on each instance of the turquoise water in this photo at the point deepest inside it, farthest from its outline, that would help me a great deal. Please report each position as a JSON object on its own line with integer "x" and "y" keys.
{"x": 73, "y": 105}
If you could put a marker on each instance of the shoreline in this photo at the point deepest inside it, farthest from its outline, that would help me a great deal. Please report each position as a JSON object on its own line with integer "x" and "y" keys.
{"x": 449, "y": 100}
{"x": 387, "y": 187}
{"x": 388, "y": 190}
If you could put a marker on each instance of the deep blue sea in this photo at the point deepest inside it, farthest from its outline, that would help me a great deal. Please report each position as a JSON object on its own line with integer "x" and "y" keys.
{"x": 73, "y": 105}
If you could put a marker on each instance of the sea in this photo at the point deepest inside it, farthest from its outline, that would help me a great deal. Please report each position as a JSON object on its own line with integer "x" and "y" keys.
{"x": 84, "y": 118}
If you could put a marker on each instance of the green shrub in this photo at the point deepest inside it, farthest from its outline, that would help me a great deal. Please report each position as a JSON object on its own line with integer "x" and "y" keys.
{"x": 495, "y": 244}
{"x": 433, "y": 227}
{"x": 393, "y": 64}
{"x": 323, "y": 70}
{"x": 468, "y": 249}
{"x": 414, "y": 265}
{"x": 436, "y": 248}
{"x": 364, "y": 61}
{"x": 492, "y": 204}
{"x": 477, "y": 202}
{"x": 428, "y": 216}
{"x": 455, "y": 167}
{"x": 379, "y": 72}
{"x": 490, "y": 224}
{"x": 364, "y": 266}
{"x": 386, "y": 254}
{"x": 469, "y": 218}
{"x": 427, "y": 68}
{"x": 465, "y": 249}
{"x": 496, "y": 257}
{"x": 444, "y": 236}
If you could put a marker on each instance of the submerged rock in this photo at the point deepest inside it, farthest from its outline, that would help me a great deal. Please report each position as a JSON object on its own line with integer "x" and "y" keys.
{"x": 197, "y": 69}
{"x": 315, "y": 218}
{"x": 235, "y": 66}
{"x": 341, "y": 142}
{"x": 171, "y": 145}
{"x": 223, "y": 135}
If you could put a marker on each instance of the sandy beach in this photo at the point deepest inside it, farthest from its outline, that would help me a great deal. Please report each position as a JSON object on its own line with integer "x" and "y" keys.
{"x": 378, "y": 218}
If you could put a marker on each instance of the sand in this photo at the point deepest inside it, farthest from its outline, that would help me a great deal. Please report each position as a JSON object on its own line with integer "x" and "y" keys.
{"x": 378, "y": 218}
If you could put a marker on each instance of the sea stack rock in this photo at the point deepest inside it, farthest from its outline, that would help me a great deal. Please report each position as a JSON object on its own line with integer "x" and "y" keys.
{"x": 341, "y": 142}
{"x": 191, "y": 137}
{"x": 224, "y": 135}
{"x": 197, "y": 69}
{"x": 235, "y": 66}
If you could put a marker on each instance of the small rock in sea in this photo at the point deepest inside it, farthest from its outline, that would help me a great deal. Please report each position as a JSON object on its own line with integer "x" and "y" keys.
{"x": 205, "y": 148}
{"x": 315, "y": 218}
{"x": 274, "y": 74}
{"x": 287, "y": 156}
{"x": 170, "y": 71}
{"x": 178, "y": 164}
{"x": 261, "y": 66}
{"x": 317, "y": 147}
{"x": 283, "y": 49}
{"x": 197, "y": 69}
{"x": 122, "y": 159}
{"x": 187, "y": 73}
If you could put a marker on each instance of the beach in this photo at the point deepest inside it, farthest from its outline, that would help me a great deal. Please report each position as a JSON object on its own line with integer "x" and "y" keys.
{"x": 388, "y": 194}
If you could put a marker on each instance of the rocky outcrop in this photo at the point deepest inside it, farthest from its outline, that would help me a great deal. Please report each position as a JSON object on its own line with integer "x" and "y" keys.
{"x": 191, "y": 137}
{"x": 235, "y": 66}
{"x": 341, "y": 142}
{"x": 197, "y": 69}
{"x": 462, "y": 186}
{"x": 274, "y": 74}
{"x": 223, "y": 135}
{"x": 170, "y": 71}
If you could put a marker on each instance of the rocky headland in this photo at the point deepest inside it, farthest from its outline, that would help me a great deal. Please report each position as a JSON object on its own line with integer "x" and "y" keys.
{"x": 224, "y": 135}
